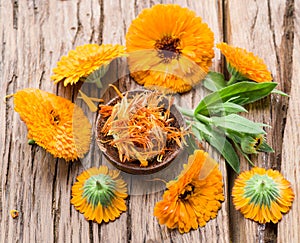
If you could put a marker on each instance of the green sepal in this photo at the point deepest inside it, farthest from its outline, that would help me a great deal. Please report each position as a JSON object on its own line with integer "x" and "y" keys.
{"x": 261, "y": 190}
{"x": 236, "y": 74}
{"x": 264, "y": 147}
{"x": 31, "y": 142}
{"x": 246, "y": 92}
{"x": 214, "y": 81}
{"x": 244, "y": 154}
{"x": 95, "y": 77}
{"x": 99, "y": 189}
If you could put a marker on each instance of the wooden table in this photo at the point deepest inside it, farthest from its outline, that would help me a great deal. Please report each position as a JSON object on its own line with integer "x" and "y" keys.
{"x": 35, "y": 34}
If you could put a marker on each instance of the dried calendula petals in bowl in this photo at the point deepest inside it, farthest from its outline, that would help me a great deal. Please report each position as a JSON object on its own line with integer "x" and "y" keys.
{"x": 140, "y": 132}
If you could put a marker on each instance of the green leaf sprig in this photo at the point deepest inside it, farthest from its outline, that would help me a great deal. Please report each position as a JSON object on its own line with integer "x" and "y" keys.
{"x": 216, "y": 119}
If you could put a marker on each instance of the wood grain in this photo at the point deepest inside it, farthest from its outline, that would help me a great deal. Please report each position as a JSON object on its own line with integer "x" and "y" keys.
{"x": 33, "y": 37}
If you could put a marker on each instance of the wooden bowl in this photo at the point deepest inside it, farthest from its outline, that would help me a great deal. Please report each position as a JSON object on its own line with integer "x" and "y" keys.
{"x": 133, "y": 167}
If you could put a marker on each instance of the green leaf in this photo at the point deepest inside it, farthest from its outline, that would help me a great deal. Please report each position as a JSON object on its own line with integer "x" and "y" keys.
{"x": 238, "y": 124}
{"x": 225, "y": 149}
{"x": 226, "y": 108}
{"x": 202, "y": 128}
{"x": 247, "y": 92}
{"x": 276, "y": 91}
{"x": 244, "y": 154}
{"x": 214, "y": 81}
{"x": 191, "y": 143}
{"x": 264, "y": 147}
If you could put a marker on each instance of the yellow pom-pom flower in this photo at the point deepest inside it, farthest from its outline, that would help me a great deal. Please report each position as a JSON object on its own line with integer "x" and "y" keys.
{"x": 99, "y": 193}
{"x": 262, "y": 195}
{"x": 54, "y": 123}
{"x": 169, "y": 47}
{"x": 244, "y": 65}
{"x": 194, "y": 197}
{"x": 84, "y": 60}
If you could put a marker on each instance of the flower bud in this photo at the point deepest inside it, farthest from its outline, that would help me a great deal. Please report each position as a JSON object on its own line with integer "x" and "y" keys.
{"x": 251, "y": 144}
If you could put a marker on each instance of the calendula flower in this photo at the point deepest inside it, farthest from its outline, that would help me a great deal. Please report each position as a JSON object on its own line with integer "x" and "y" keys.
{"x": 54, "y": 123}
{"x": 244, "y": 65}
{"x": 195, "y": 197}
{"x": 99, "y": 194}
{"x": 14, "y": 213}
{"x": 84, "y": 60}
{"x": 262, "y": 195}
{"x": 169, "y": 47}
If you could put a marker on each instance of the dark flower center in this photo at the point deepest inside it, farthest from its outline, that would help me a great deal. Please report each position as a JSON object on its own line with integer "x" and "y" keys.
{"x": 167, "y": 48}
{"x": 55, "y": 117}
{"x": 188, "y": 191}
{"x": 259, "y": 141}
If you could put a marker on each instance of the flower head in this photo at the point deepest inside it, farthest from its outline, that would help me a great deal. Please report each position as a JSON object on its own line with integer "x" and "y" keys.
{"x": 262, "y": 195}
{"x": 251, "y": 144}
{"x": 169, "y": 48}
{"x": 84, "y": 60}
{"x": 99, "y": 194}
{"x": 194, "y": 197}
{"x": 54, "y": 123}
{"x": 244, "y": 65}
{"x": 14, "y": 213}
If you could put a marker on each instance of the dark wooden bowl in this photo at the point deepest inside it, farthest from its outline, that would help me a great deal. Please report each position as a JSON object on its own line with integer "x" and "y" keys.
{"x": 133, "y": 167}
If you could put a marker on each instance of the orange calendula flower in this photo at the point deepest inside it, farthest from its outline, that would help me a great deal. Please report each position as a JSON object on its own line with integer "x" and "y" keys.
{"x": 84, "y": 60}
{"x": 244, "y": 65}
{"x": 14, "y": 213}
{"x": 169, "y": 48}
{"x": 195, "y": 197}
{"x": 54, "y": 123}
{"x": 99, "y": 193}
{"x": 262, "y": 195}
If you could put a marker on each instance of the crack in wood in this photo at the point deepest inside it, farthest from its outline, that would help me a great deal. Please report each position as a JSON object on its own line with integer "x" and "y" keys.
{"x": 15, "y": 14}
{"x": 101, "y": 22}
{"x": 54, "y": 210}
{"x": 128, "y": 221}
{"x": 79, "y": 25}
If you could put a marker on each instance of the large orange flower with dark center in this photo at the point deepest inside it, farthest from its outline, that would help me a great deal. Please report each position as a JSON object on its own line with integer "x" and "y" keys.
{"x": 169, "y": 48}
{"x": 194, "y": 197}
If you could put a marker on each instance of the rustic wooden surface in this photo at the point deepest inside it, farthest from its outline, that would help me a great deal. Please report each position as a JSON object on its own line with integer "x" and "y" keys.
{"x": 35, "y": 34}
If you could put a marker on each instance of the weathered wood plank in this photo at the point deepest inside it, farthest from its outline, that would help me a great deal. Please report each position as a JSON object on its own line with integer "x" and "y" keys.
{"x": 289, "y": 228}
{"x": 265, "y": 28}
{"x": 33, "y": 37}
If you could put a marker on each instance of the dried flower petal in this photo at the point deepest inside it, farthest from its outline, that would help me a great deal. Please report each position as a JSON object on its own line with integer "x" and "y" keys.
{"x": 140, "y": 127}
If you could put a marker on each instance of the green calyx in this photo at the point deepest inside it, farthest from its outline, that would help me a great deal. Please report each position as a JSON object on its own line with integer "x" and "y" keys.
{"x": 262, "y": 190}
{"x": 251, "y": 144}
{"x": 236, "y": 75}
{"x": 31, "y": 142}
{"x": 99, "y": 189}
